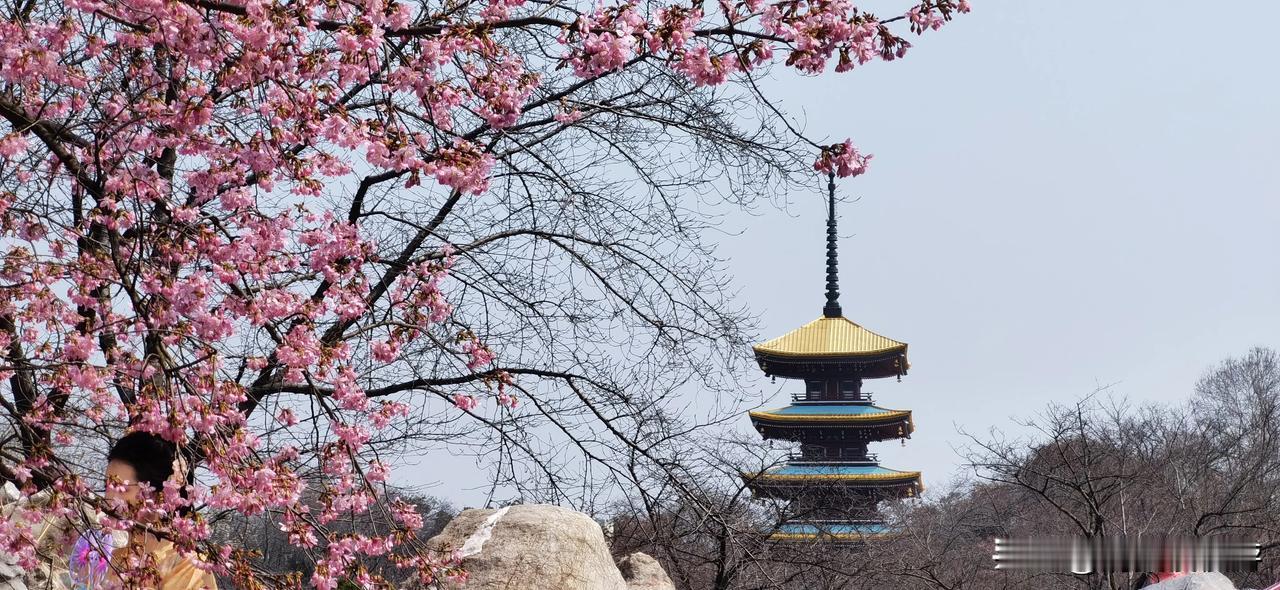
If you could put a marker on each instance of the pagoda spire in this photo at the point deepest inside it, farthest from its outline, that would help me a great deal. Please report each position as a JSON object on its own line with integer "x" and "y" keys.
{"x": 832, "y": 308}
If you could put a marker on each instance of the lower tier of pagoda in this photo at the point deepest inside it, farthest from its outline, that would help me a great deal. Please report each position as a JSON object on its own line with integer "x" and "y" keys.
{"x": 839, "y": 532}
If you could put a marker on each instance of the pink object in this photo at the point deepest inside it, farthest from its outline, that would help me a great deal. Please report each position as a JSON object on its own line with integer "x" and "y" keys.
{"x": 1162, "y": 576}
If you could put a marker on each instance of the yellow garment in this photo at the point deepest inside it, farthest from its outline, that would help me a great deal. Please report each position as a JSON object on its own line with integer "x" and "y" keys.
{"x": 175, "y": 571}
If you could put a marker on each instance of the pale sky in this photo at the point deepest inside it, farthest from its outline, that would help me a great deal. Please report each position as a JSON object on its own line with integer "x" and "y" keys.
{"x": 1064, "y": 195}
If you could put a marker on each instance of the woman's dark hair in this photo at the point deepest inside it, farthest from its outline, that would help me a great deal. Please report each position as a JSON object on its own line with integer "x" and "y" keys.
{"x": 150, "y": 456}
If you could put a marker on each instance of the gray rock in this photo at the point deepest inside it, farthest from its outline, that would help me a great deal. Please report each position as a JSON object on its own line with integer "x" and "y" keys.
{"x": 643, "y": 572}
{"x": 53, "y": 538}
{"x": 530, "y": 547}
{"x": 11, "y": 578}
{"x": 1197, "y": 581}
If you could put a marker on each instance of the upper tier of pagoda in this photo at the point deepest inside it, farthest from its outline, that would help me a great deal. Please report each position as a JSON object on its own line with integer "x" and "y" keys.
{"x": 832, "y": 345}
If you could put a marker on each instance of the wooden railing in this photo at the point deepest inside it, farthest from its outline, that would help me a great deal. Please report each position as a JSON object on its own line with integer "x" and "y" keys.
{"x": 843, "y": 397}
{"x": 833, "y": 457}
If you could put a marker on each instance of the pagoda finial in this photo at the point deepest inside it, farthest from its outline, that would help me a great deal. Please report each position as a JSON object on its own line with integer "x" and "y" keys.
{"x": 832, "y": 308}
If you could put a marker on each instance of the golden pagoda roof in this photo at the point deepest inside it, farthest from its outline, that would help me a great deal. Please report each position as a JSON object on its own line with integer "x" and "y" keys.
{"x": 831, "y": 413}
{"x": 830, "y": 337}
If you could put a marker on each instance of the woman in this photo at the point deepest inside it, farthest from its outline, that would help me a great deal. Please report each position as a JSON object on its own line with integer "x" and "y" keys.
{"x": 139, "y": 459}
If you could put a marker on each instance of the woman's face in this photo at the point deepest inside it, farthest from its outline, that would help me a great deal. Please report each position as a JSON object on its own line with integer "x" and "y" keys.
{"x": 123, "y": 473}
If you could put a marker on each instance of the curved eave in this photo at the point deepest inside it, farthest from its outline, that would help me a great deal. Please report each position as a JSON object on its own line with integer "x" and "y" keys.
{"x": 837, "y": 337}
{"x": 868, "y": 355}
{"x": 905, "y": 477}
{"x": 868, "y": 427}
{"x": 835, "y": 433}
{"x": 838, "y": 537}
{"x": 906, "y": 484}
{"x": 828, "y": 532}
{"x": 891, "y": 364}
{"x": 885, "y": 417}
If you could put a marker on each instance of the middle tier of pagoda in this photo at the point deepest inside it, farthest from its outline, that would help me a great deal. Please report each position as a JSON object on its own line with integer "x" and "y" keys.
{"x": 798, "y": 478}
{"x": 833, "y": 422}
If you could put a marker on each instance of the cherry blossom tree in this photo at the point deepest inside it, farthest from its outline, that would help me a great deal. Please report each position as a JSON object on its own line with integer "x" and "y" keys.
{"x": 283, "y": 234}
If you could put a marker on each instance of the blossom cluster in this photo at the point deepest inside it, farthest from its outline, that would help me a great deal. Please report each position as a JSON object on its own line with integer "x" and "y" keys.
{"x": 842, "y": 159}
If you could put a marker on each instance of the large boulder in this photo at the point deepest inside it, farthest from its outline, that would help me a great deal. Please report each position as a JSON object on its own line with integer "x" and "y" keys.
{"x": 643, "y": 572}
{"x": 529, "y": 547}
{"x": 1197, "y": 581}
{"x": 52, "y": 536}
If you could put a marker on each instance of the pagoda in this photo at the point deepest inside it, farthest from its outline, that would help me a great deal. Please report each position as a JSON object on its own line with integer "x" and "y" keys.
{"x": 832, "y": 485}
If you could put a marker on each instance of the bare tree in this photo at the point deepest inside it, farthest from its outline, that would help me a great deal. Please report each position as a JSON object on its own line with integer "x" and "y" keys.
{"x": 1099, "y": 466}
{"x": 1102, "y": 466}
{"x": 702, "y": 522}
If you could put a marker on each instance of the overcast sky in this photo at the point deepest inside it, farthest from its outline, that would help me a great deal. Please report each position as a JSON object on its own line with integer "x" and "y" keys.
{"x": 1064, "y": 195}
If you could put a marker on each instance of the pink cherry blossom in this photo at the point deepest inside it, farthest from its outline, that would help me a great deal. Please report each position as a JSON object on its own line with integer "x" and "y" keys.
{"x": 674, "y": 28}
{"x": 705, "y": 69}
{"x": 12, "y": 145}
{"x": 607, "y": 39}
{"x": 78, "y": 347}
{"x": 925, "y": 18}
{"x": 385, "y": 352}
{"x": 479, "y": 354}
{"x": 300, "y": 351}
{"x": 568, "y": 117}
{"x": 463, "y": 167}
{"x": 465, "y": 402}
{"x": 286, "y": 417}
{"x": 842, "y": 159}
